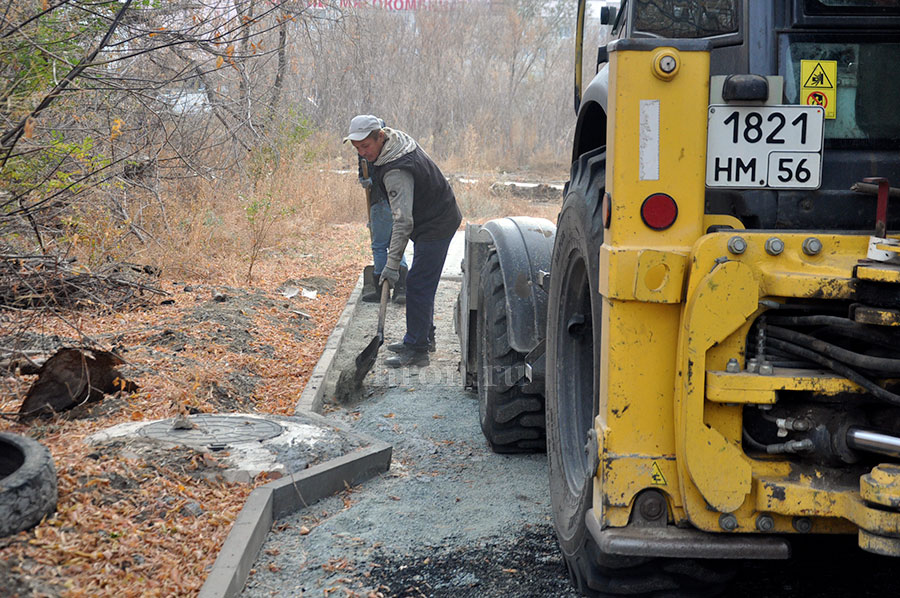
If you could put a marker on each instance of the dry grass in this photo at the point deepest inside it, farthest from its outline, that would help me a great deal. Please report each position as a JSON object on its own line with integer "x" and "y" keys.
{"x": 216, "y": 229}
{"x": 479, "y": 203}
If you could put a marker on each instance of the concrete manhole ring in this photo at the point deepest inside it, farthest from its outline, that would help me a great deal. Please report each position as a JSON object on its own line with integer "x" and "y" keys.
{"x": 214, "y": 431}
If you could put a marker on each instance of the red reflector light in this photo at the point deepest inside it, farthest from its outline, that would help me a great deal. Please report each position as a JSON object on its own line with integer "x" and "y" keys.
{"x": 659, "y": 211}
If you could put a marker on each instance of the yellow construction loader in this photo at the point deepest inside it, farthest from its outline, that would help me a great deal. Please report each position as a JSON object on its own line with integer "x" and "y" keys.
{"x": 707, "y": 342}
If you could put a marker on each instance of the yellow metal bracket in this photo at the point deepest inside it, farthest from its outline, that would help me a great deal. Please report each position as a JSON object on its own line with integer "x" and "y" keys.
{"x": 873, "y": 509}
{"x": 879, "y": 272}
{"x": 649, "y": 275}
{"x": 722, "y": 302}
{"x": 747, "y": 387}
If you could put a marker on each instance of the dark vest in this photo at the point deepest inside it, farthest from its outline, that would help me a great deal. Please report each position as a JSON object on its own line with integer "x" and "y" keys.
{"x": 435, "y": 213}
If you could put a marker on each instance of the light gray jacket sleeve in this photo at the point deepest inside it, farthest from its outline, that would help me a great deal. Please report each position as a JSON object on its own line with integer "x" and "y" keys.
{"x": 399, "y": 185}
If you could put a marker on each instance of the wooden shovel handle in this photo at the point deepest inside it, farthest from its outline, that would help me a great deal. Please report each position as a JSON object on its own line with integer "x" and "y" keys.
{"x": 365, "y": 173}
{"x": 382, "y": 309}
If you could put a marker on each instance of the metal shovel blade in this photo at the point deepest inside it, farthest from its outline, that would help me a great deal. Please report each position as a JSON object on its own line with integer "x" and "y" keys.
{"x": 366, "y": 359}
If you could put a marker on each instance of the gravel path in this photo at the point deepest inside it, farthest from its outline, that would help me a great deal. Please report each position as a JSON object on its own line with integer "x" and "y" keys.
{"x": 450, "y": 518}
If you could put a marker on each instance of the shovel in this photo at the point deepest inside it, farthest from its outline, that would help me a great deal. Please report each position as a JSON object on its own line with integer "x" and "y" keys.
{"x": 350, "y": 381}
{"x": 366, "y": 359}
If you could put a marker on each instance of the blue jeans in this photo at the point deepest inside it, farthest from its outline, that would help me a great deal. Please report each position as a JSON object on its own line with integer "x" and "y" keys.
{"x": 421, "y": 286}
{"x": 381, "y": 222}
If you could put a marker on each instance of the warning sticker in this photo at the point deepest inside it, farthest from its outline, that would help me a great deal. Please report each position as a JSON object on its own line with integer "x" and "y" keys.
{"x": 819, "y": 85}
{"x": 656, "y": 475}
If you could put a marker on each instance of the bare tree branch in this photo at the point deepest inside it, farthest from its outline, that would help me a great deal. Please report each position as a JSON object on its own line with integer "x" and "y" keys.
{"x": 11, "y": 136}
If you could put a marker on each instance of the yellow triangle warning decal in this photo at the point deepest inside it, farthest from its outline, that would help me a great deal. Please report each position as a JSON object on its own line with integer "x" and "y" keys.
{"x": 657, "y": 476}
{"x": 818, "y": 79}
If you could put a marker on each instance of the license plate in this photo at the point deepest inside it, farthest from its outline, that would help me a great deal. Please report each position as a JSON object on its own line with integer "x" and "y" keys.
{"x": 764, "y": 147}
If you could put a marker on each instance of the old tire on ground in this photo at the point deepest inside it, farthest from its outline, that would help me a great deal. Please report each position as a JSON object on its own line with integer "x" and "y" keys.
{"x": 512, "y": 420}
{"x": 27, "y": 483}
{"x": 573, "y": 382}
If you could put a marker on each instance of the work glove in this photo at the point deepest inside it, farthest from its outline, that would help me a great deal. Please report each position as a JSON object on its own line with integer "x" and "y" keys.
{"x": 389, "y": 275}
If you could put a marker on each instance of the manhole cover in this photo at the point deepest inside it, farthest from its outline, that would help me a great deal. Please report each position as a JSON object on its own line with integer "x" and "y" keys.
{"x": 213, "y": 430}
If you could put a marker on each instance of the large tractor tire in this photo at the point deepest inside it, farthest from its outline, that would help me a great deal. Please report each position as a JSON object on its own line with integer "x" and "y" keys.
{"x": 573, "y": 383}
{"x": 27, "y": 483}
{"x": 512, "y": 420}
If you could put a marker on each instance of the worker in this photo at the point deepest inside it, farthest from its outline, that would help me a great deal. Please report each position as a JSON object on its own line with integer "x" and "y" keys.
{"x": 424, "y": 210}
{"x": 380, "y": 223}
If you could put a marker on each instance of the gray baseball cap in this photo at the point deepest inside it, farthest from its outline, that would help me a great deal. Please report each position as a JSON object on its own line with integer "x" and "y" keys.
{"x": 363, "y": 125}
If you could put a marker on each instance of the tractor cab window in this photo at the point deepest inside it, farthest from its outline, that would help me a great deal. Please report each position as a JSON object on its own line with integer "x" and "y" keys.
{"x": 866, "y": 87}
{"x": 686, "y": 18}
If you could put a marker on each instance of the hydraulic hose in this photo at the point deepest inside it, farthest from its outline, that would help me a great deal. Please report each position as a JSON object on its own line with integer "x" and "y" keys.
{"x": 839, "y": 325}
{"x": 805, "y": 307}
{"x": 883, "y": 365}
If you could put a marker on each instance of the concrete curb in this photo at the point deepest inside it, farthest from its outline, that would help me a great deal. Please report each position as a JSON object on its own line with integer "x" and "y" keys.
{"x": 312, "y": 398}
{"x": 291, "y": 493}
{"x": 279, "y": 498}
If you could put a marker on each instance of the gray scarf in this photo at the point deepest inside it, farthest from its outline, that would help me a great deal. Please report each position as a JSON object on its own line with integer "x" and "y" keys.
{"x": 398, "y": 144}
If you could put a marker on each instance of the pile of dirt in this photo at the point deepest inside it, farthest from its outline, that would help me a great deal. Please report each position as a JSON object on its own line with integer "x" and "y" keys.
{"x": 211, "y": 318}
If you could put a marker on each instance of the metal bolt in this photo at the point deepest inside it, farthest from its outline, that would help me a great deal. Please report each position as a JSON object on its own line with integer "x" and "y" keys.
{"x": 812, "y": 246}
{"x": 765, "y": 369}
{"x": 667, "y": 64}
{"x": 802, "y": 524}
{"x": 737, "y": 245}
{"x": 752, "y": 365}
{"x": 774, "y": 246}
{"x": 765, "y": 523}
{"x": 728, "y": 522}
{"x": 652, "y": 507}
{"x": 733, "y": 367}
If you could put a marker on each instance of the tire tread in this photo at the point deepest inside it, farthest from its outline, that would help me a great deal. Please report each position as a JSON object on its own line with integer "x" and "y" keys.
{"x": 512, "y": 420}
{"x": 30, "y": 492}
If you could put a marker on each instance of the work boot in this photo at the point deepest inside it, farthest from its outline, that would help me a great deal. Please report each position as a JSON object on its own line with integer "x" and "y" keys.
{"x": 372, "y": 295}
{"x": 408, "y": 357}
{"x": 400, "y": 287}
{"x": 400, "y": 347}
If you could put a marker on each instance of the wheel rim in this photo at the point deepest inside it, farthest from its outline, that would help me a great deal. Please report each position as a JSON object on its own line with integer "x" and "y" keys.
{"x": 575, "y": 381}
